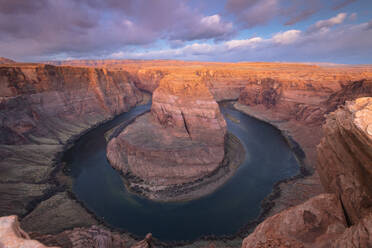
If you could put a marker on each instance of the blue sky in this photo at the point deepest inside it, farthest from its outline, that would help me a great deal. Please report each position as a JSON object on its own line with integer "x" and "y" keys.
{"x": 338, "y": 31}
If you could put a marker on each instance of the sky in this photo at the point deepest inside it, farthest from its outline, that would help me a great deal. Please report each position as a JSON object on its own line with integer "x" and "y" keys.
{"x": 337, "y": 31}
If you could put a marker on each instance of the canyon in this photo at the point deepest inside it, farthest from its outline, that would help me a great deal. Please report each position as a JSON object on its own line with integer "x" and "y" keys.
{"x": 45, "y": 107}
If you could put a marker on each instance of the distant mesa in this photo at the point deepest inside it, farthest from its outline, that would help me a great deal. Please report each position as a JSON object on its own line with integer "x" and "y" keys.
{"x": 6, "y": 61}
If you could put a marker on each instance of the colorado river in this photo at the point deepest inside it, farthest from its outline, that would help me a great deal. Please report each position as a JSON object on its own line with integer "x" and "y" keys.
{"x": 268, "y": 160}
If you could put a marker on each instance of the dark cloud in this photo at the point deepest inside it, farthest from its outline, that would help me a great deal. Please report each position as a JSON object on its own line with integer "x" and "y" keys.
{"x": 303, "y": 15}
{"x": 369, "y": 25}
{"x": 20, "y": 6}
{"x": 251, "y": 13}
{"x": 342, "y": 4}
{"x": 83, "y": 27}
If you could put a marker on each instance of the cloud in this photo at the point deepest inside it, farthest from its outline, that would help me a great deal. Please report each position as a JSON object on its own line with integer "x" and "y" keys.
{"x": 232, "y": 44}
{"x": 287, "y": 37}
{"x": 203, "y": 27}
{"x": 80, "y": 28}
{"x": 302, "y": 16}
{"x": 324, "y": 24}
{"x": 334, "y": 45}
{"x": 369, "y": 25}
{"x": 342, "y": 4}
{"x": 253, "y": 12}
{"x": 353, "y": 16}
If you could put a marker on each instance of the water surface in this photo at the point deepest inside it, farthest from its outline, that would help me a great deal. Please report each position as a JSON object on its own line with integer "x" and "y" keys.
{"x": 100, "y": 187}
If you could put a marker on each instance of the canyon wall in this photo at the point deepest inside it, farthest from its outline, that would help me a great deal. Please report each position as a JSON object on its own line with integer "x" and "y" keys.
{"x": 42, "y": 107}
{"x": 345, "y": 157}
{"x": 341, "y": 218}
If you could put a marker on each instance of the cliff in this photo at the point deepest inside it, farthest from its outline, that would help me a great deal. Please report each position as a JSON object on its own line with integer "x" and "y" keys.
{"x": 42, "y": 108}
{"x": 343, "y": 217}
{"x": 345, "y": 157}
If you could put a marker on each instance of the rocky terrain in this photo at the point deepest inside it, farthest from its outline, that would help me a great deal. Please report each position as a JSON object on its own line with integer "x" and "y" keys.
{"x": 342, "y": 218}
{"x": 45, "y": 107}
{"x": 180, "y": 142}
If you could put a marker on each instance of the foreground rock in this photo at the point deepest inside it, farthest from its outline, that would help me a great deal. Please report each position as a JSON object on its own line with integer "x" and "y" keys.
{"x": 340, "y": 219}
{"x": 12, "y": 236}
{"x": 181, "y": 141}
{"x": 315, "y": 223}
{"x": 345, "y": 157}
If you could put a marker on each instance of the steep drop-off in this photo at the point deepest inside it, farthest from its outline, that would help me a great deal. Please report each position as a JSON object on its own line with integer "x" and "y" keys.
{"x": 42, "y": 108}
{"x": 343, "y": 217}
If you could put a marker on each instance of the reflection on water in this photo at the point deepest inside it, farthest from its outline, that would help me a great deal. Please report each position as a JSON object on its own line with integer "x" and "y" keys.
{"x": 268, "y": 160}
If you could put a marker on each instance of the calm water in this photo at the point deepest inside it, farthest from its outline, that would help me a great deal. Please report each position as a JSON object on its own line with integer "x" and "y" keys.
{"x": 268, "y": 160}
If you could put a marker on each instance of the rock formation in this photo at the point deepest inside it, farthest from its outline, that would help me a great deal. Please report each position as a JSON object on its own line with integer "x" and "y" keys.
{"x": 6, "y": 61}
{"x": 315, "y": 223}
{"x": 342, "y": 218}
{"x": 345, "y": 157}
{"x": 42, "y": 107}
{"x": 12, "y": 236}
{"x": 180, "y": 141}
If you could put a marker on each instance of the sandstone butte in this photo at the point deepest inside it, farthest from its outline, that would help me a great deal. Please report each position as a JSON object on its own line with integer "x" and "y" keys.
{"x": 45, "y": 107}
{"x": 180, "y": 141}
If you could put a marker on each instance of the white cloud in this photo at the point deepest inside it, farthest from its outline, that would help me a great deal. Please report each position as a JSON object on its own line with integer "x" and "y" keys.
{"x": 325, "y": 24}
{"x": 335, "y": 45}
{"x": 287, "y": 37}
{"x": 243, "y": 43}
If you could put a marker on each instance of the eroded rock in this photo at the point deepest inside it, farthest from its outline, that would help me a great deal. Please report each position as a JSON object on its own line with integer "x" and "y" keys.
{"x": 345, "y": 157}
{"x": 12, "y": 236}
{"x": 180, "y": 141}
{"x": 315, "y": 223}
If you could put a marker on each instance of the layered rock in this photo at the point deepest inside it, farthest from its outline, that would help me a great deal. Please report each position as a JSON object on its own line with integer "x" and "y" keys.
{"x": 12, "y": 236}
{"x": 297, "y": 109}
{"x": 345, "y": 157}
{"x": 342, "y": 218}
{"x": 315, "y": 223}
{"x": 42, "y": 107}
{"x": 180, "y": 141}
{"x": 6, "y": 61}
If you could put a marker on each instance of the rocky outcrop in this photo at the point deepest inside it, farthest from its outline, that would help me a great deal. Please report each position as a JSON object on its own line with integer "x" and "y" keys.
{"x": 344, "y": 166}
{"x": 6, "y": 61}
{"x": 345, "y": 157}
{"x": 92, "y": 237}
{"x": 297, "y": 109}
{"x": 180, "y": 141}
{"x": 315, "y": 223}
{"x": 42, "y": 108}
{"x": 12, "y": 236}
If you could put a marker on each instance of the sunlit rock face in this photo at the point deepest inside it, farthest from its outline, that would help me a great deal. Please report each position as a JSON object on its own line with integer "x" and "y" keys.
{"x": 12, "y": 236}
{"x": 345, "y": 157}
{"x": 180, "y": 141}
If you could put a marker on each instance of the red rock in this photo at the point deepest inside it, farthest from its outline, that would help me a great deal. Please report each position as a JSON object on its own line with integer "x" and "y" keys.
{"x": 315, "y": 223}
{"x": 12, "y": 236}
{"x": 180, "y": 141}
{"x": 345, "y": 157}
